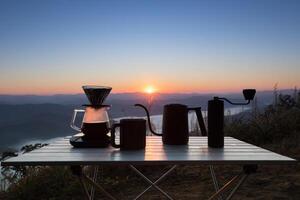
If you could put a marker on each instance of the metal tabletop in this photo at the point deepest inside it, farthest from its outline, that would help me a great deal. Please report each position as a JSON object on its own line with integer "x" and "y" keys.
{"x": 235, "y": 151}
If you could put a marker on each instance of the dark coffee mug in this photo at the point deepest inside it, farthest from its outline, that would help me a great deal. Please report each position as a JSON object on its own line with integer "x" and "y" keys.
{"x": 132, "y": 134}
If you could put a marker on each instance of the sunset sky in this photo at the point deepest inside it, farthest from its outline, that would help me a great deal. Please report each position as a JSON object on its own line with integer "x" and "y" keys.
{"x": 49, "y": 47}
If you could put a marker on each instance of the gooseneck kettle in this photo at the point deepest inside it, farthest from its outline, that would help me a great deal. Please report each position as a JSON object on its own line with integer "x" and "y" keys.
{"x": 175, "y": 130}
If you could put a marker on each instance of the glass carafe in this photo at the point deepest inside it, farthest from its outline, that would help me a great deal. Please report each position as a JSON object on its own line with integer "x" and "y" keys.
{"x": 95, "y": 122}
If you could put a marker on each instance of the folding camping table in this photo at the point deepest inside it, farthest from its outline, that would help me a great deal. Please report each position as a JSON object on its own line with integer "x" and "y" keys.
{"x": 235, "y": 152}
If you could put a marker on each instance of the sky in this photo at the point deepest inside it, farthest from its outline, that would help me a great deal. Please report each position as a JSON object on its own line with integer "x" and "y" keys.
{"x": 55, "y": 47}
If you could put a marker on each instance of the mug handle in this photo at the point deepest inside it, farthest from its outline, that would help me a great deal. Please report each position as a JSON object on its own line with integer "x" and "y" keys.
{"x": 113, "y": 135}
{"x": 200, "y": 120}
{"x": 72, "y": 124}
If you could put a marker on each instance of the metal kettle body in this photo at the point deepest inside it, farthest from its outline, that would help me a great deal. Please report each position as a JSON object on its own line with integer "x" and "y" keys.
{"x": 175, "y": 128}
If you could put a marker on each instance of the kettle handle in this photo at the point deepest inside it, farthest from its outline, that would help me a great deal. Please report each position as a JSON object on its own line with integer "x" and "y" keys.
{"x": 200, "y": 120}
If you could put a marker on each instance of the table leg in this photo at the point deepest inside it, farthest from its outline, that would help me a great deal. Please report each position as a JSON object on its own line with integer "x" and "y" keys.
{"x": 215, "y": 181}
{"x": 243, "y": 178}
{"x": 240, "y": 179}
{"x": 224, "y": 188}
{"x": 77, "y": 171}
{"x": 99, "y": 187}
{"x": 153, "y": 184}
{"x": 84, "y": 188}
{"x": 95, "y": 175}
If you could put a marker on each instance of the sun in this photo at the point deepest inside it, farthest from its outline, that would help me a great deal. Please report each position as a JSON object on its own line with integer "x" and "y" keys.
{"x": 149, "y": 89}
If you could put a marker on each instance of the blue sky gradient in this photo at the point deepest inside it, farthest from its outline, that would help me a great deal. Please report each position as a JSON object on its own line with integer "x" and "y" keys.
{"x": 49, "y": 47}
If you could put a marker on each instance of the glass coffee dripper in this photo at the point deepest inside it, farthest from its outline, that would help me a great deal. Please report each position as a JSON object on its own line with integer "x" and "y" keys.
{"x": 95, "y": 124}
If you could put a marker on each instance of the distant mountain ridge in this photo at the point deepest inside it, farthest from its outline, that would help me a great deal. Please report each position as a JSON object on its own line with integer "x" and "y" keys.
{"x": 78, "y": 99}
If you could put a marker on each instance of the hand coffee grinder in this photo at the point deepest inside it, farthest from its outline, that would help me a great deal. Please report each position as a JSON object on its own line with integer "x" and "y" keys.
{"x": 95, "y": 124}
{"x": 215, "y": 117}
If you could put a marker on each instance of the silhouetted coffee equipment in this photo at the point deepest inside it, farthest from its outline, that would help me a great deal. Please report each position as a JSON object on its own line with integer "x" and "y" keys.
{"x": 215, "y": 115}
{"x": 95, "y": 124}
{"x": 175, "y": 130}
{"x": 132, "y": 134}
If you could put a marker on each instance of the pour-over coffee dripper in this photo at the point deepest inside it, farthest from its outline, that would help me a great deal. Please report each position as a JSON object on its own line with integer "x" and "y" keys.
{"x": 96, "y": 94}
{"x": 95, "y": 124}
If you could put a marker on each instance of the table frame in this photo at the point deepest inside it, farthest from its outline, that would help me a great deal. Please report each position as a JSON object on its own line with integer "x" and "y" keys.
{"x": 235, "y": 183}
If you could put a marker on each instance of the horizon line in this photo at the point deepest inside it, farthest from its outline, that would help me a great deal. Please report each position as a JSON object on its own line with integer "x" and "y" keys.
{"x": 140, "y": 92}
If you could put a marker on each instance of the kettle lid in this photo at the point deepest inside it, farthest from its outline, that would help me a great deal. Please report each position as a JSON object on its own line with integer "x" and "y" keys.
{"x": 175, "y": 105}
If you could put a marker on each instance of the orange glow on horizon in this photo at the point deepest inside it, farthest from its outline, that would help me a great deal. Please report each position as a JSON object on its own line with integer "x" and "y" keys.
{"x": 164, "y": 87}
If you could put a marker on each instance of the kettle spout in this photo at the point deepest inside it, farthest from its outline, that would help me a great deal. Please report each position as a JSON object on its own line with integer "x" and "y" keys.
{"x": 148, "y": 117}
